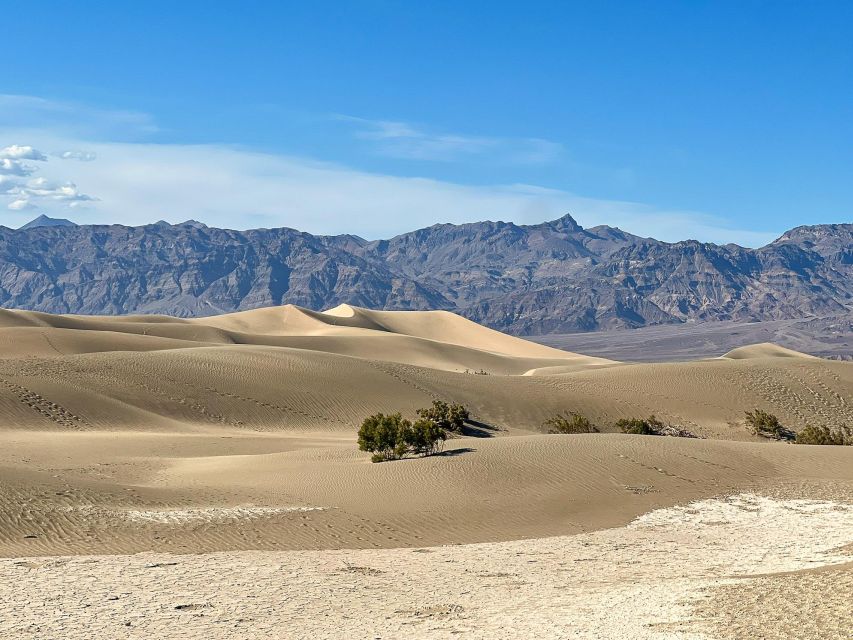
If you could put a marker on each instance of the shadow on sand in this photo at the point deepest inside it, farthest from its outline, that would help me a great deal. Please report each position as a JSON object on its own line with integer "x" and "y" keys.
{"x": 449, "y": 453}
{"x": 477, "y": 429}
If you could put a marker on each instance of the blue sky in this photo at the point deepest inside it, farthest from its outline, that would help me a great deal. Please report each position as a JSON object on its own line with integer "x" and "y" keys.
{"x": 724, "y": 121}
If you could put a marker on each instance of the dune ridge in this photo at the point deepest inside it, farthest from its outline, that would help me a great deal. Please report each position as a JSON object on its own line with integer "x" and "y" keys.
{"x": 255, "y": 413}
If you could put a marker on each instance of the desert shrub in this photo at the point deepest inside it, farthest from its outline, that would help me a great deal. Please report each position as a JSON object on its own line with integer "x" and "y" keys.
{"x": 392, "y": 437}
{"x": 651, "y": 426}
{"x": 446, "y": 416}
{"x": 767, "y": 425}
{"x": 425, "y": 438}
{"x": 825, "y": 435}
{"x": 569, "y": 423}
{"x": 640, "y": 426}
{"x": 382, "y": 435}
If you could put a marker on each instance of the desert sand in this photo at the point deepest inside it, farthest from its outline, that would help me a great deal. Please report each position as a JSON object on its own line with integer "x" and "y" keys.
{"x": 222, "y": 451}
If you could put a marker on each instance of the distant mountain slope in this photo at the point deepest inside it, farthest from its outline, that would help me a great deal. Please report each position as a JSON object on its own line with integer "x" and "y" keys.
{"x": 45, "y": 221}
{"x": 523, "y": 279}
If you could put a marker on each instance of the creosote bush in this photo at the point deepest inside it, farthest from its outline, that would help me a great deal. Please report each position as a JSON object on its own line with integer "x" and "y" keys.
{"x": 767, "y": 425}
{"x": 824, "y": 435}
{"x": 383, "y": 436}
{"x": 569, "y": 423}
{"x": 447, "y": 416}
{"x": 391, "y": 437}
{"x": 651, "y": 426}
{"x": 640, "y": 426}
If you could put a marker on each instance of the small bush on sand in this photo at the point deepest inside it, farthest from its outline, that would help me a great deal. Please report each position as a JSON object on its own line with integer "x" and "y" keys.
{"x": 824, "y": 435}
{"x": 767, "y": 425}
{"x": 382, "y": 435}
{"x": 446, "y": 416}
{"x": 425, "y": 438}
{"x": 640, "y": 426}
{"x": 392, "y": 437}
{"x": 569, "y": 423}
{"x": 651, "y": 426}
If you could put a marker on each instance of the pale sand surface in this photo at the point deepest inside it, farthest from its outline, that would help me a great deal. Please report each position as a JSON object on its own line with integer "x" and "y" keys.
{"x": 677, "y": 573}
{"x": 232, "y": 439}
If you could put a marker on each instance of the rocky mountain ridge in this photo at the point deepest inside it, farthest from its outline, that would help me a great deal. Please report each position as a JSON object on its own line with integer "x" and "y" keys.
{"x": 523, "y": 279}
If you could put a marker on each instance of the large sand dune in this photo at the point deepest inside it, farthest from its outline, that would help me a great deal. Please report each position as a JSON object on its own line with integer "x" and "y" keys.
{"x": 237, "y": 433}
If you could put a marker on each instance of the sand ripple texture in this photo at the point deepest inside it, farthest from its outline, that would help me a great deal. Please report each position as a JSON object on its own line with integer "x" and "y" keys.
{"x": 688, "y": 572}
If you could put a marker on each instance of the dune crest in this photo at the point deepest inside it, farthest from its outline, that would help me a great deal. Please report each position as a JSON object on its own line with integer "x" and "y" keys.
{"x": 763, "y": 350}
{"x": 434, "y": 339}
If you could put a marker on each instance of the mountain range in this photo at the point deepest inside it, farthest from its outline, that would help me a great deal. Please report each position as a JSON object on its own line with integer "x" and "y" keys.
{"x": 552, "y": 277}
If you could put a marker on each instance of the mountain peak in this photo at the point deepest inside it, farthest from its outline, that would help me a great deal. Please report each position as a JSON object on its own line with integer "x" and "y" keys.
{"x": 45, "y": 221}
{"x": 566, "y": 223}
{"x": 192, "y": 223}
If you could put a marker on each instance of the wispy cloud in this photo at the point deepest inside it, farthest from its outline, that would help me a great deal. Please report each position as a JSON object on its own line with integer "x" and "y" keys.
{"x": 224, "y": 186}
{"x": 76, "y": 154}
{"x": 407, "y": 141}
{"x": 133, "y": 182}
{"x": 36, "y": 114}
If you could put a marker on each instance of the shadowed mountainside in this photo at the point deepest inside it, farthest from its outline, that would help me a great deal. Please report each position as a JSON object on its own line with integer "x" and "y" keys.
{"x": 524, "y": 279}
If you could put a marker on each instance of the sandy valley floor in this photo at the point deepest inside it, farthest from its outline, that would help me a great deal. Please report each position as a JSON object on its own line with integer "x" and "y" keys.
{"x": 200, "y": 479}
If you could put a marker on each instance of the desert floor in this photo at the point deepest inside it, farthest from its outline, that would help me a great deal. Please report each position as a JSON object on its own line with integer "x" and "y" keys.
{"x": 164, "y": 477}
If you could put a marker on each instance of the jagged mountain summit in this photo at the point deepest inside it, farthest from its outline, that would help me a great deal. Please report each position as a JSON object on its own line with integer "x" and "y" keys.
{"x": 46, "y": 221}
{"x": 523, "y": 279}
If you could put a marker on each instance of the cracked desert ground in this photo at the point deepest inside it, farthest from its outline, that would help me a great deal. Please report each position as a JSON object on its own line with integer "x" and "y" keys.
{"x": 175, "y": 478}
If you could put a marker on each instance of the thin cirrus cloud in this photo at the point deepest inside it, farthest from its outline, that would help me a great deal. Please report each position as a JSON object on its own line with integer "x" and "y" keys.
{"x": 36, "y": 115}
{"x": 76, "y": 154}
{"x": 138, "y": 183}
{"x": 129, "y": 181}
{"x": 406, "y": 141}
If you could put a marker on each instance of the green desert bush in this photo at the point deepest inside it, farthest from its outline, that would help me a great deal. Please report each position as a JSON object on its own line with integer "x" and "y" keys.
{"x": 391, "y": 437}
{"x": 569, "y": 423}
{"x": 825, "y": 435}
{"x": 640, "y": 426}
{"x": 447, "y": 416}
{"x": 767, "y": 425}
{"x": 651, "y": 426}
{"x": 425, "y": 438}
{"x": 382, "y": 435}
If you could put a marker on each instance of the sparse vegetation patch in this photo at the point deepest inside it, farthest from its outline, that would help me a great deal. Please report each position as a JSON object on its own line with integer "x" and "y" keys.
{"x": 569, "y": 423}
{"x": 447, "y": 416}
{"x": 391, "y": 437}
{"x": 767, "y": 425}
{"x": 843, "y": 436}
{"x": 651, "y": 426}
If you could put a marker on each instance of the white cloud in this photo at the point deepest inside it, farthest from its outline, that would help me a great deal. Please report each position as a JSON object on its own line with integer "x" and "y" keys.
{"x": 30, "y": 193}
{"x": 21, "y": 205}
{"x": 133, "y": 182}
{"x": 235, "y": 188}
{"x": 15, "y": 168}
{"x": 82, "y": 156}
{"x": 42, "y": 188}
{"x": 18, "y": 152}
{"x": 403, "y": 140}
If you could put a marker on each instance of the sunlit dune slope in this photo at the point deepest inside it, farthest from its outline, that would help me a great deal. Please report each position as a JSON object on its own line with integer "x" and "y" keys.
{"x": 439, "y": 340}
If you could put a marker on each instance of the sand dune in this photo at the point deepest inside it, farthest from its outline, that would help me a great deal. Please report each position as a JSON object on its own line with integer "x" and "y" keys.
{"x": 764, "y": 350}
{"x": 237, "y": 433}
